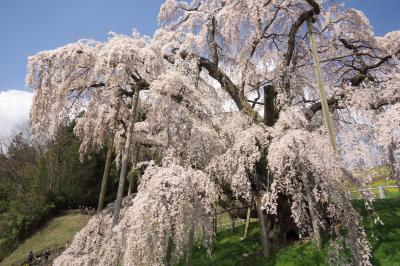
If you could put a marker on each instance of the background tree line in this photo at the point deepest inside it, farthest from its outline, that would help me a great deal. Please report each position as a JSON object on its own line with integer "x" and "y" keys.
{"x": 36, "y": 183}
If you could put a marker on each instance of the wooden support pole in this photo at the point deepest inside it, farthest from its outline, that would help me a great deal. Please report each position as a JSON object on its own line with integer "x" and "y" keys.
{"x": 246, "y": 228}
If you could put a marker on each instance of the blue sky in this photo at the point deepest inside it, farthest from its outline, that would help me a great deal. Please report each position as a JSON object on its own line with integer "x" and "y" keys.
{"x": 29, "y": 26}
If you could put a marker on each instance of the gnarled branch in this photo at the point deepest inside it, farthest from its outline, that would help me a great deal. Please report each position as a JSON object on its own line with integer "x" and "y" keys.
{"x": 295, "y": 27}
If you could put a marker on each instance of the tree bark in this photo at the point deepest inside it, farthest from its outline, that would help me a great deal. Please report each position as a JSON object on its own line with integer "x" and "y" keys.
{"x": 226, "y": 83}
{"x": 124, "y": 166}
{"x": 189, "y": 257}
{"x": 270, "y": 112}
{"x": 263, "y": 229}
{"x": 246, "y": 228}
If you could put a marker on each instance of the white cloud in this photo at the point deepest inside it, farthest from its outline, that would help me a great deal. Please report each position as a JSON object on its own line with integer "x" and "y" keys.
{"x": 14, "y": 110}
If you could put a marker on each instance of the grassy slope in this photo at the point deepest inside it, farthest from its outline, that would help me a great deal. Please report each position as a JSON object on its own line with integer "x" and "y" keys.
{"x": 231, "y": 250}
{"x": 386, "y": 240}
{"x": 53, "y": 235}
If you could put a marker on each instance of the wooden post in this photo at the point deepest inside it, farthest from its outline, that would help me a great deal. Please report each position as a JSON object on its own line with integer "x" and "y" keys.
{"x": 107, "y": 167}
{"x": 263, "y": 228}
{"x": 382, "y": 193}
{"x": 321, "y": 88}
{"x": 124, "y": 166}
{"x": 119, "y": 255}
{"x": 350, "y": 195}
{"x": 106, "y": 173}
{"x": 168, "y": 255}
{"x": 189, "y": 257}
{"x": 246, "y": 228}
{"x": 215, "y": 220}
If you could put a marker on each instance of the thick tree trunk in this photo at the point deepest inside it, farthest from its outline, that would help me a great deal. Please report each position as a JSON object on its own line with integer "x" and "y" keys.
{"x": 263, "y": 228}
{"x": 106, "y": 173}
{"x": 270, "y": 113}
{"x": 246, "y": 228}
{"x": 124, "y": 165}
{"x": 189, "y": 257}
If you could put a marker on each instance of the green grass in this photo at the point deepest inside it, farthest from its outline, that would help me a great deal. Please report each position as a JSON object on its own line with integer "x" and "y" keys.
{"x": 386, "y": 238}
{"x": 229, "y": 249}
{"x": 54, "y": 234}
{"x": 232, "y": 250}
